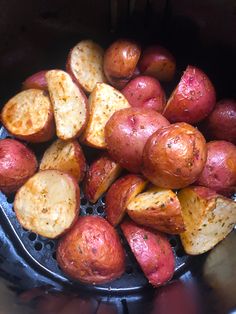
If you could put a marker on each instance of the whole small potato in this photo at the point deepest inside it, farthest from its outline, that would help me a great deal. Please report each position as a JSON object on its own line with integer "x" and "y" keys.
{"x": 221, "y": 122}
{"x": 219, "y": 172}
{"x": 126, "y": 133}
{"x": 158, "y": 62}
{"x": 37, "y": 80}
{"x": 120, "y": 62}
{"x": 91, "y": 251}
{"x": 174, "y": 156}
{"x": 193, "y": 98}
{"x": 145, "y": 92}
{"x": 17, "y": 164}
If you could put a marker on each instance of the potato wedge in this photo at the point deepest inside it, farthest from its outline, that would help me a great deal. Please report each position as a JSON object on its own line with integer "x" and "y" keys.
{"x": 65, "y": 156}
{"x": 69, "y": 104}
{"x": 85, "y": 64}
{"x": 29, "y": 116}
{"x": 103, "y": 102}
{"x": 208, "y": 218}
{"x": 100, "y": 175}
{"x": 159, "y": 209}
{"x": 48, "y": 203}
{"x": 120, "y": 194}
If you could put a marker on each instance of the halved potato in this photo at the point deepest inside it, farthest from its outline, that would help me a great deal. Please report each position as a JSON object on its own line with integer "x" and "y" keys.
{"x": 85, "y": 64}
{"x": 100, "y": 175}
{"x": 29, "y": 116}
{"x": 69, "y": 104}
{"x": 48, "y": 203}
{"x": 208, "y": 218}
{"x": 65, "y": 156}
{"x": 159, "y": 209}
{"x": 103, "y": 102}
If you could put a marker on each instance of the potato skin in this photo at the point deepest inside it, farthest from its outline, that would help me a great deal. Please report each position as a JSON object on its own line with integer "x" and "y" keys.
{"x": 152, "y": 251}
{"x": 37, "y": 80}
{"x": 120, "y": 194}
{"x": 174, "y": 156}
{"x": 145, "y": 92}
{"x": 158, "y": 62}
{"x": 219, "y": 172}
{"x": 193, "y": 98}
{"x": 17, "y": 164}
{"x": 126, "y": 133}
{"x": 91, "y": 251}
{"x": 120, "y": 60}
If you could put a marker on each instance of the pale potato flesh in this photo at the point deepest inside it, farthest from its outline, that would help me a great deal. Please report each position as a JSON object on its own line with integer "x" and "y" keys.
{"x": 103, "y": 102}
{"x": 69, "y": 104}
{"x": 47, "y": 203}
{"x": 27, "y": 112}
{"x": 86, "y": 64}
{"x": 207, "y": 221}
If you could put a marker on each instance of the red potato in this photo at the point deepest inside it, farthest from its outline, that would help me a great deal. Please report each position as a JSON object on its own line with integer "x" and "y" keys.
{"x": 120, "y": 194}
{"x": 85, "y": 64}
{"x": 37, "y": 80}
{"x": 29, "y": 116}
{"x": 158, "y": 62}
{"x": 91, "y": 251}
{"x": 48, "y": 203}
{"x": 219, "y": 172}
{"x": 174, "y": 156}
{"x": 126, "y": 133}
{"x": 70, "y": 105}
{"x": 221, "y": 122}
{"x": 145, "y": 92}
{"x": 152, "y": 251}
{"x": 65, "y": 156}
{"x": 17, "y": 164}
{"x": 99, "y": 177}
{"x": 120, "y": 61}
{"x": 193, "y": 98}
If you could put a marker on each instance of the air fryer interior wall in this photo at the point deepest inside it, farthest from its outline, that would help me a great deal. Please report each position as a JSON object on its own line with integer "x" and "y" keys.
{"x": 37, "y": 35}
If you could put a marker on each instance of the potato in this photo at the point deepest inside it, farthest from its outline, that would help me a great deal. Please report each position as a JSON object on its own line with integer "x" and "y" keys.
{"x": 37, "y": 80}
{"x": 158, "y": 62}
{"x": 17, "y": 164}
{"x": 126, "y": 133}
{"x": 219, "y": 172}
{"x": 69, "y": 104}
{"x": 145, "y": 92}
{"x": 193, "y": 98}
{"x": 152, "y": 251}
{"x": 65, "y": 156}
{"x": 85, "y": 64}
{"x": 48, "y": 203}
{"x": 91, "y": 251}
{"x": 120, "y": 194}
{"x": 120, "y": 61}
{"x": 29, "y": 116}
{"x": 100, "y": 175}
{"x": 208, "y": 218}
{"x": 103, "y": 102}
{"x": 221, "y": 122}
{"x": 174, "y": 156}
{"x": 159, "y": 209}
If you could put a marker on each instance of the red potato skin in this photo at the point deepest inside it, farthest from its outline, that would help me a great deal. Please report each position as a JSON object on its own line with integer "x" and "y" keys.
{"x": 37, "y": 80}
{"x": 204, "y": 192}
{"x": 145, "y": 92}
{"x": 152, "y": 251}
{"x": 120, "y": 61}
{"x": 219, "y": 172}
{"x": 91, "y": 251}
{"x": 174, "y": 156}
{"x": 193, "y": 99}
{"x": 17, "y": 164}
{"x": 126, "y": 133}
{"x": 158, "y": 62}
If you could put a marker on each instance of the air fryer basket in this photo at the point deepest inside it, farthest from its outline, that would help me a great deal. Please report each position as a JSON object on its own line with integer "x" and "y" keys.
{"x": 38, "y": 35}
